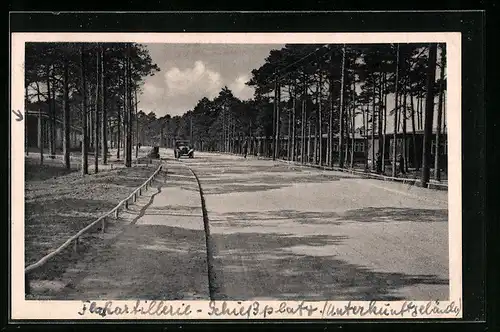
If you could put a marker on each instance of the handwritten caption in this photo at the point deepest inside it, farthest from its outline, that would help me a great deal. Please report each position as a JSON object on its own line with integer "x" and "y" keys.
{"x": 256, "y": 309}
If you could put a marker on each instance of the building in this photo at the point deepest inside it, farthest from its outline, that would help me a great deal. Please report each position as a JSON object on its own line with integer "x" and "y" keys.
{"x": 414, "y": 148}
{"x": 32, "y": 115}
{"x": 263, "y": 146}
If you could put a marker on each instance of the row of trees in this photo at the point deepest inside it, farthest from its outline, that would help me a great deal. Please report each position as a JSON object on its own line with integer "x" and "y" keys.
{"x": 92, "y": 86}
{"x": 303, "y": 92}
{"x": 333, "y": 90}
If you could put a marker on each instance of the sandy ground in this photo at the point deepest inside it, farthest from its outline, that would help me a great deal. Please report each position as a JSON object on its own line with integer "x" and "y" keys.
{"x": 160, "y": 253}
{"x": 279, "y": 232}
{"x": 60, "y": 202}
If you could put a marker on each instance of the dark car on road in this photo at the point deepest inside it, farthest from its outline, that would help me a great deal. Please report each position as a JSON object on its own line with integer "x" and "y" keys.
{"x": 183, "y": 148}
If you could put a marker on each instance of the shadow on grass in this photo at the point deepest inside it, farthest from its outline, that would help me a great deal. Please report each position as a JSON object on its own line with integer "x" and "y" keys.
{"x": 66, "y": 205}
{"x": 46, "y": 171}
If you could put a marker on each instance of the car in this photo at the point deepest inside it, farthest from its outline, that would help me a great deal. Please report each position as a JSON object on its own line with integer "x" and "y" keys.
{"x": 183, "y": 148}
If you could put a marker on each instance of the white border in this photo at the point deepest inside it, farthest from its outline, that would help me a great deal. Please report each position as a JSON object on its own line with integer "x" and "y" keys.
{"x": 54, "y": 310}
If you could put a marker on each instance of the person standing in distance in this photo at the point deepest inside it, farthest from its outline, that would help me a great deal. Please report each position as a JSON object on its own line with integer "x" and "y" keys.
{"x": 245, "y": 148}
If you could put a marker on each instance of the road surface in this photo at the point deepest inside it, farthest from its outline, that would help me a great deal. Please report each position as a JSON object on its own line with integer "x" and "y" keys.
{"x": 277, "y": 232}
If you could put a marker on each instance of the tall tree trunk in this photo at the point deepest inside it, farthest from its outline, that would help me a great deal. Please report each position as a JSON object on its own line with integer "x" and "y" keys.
{"x": 66, "y": 119}
{"x": 309, "y": 141}
{"x": 373, "y": 124}
{"x": 50, "y": 114}
{"x": 275, "y": 105}
{"x": 380, "y": 133}
{"x": 294, "y": 123}
{"x": 353, "y": 121}
{"x": 233, "y": 133}
{"x": 289, "y": 141}
{"x": 416, "y": 162}
{"x": 40, "y": 134}
{"x": 365, "y": 134}
{"x": 437, "y": 168}
{"x": 429, "y": 115}
{"x": 85, "y": 141}
{"x": 128, "y": 131}
{"x": 403, "y": 118}
{"x": 96, "y": 115}
{"x": 394, "y": 140}
{"x": 124, "y": 114}
{"x": 137, "y": 126}
{"x": 320, "y": 119}
{"x": 277, "y": 124}
{"x": 54, "y": 117}
{"x": 130, "y": 107}
{"x": 330, "y": 122}
{"x": 303, "y": 124}
{"x": 341, "y": 110}
{"x": 90, "y": 118}
{"x": 110, "y": 134}
{"x": 444, "y": 111}
{"x": 419, "y": 112}
{"x": 315, "y": 144}
{"x": 384, "y": 137}
{"x": 118, "y": 129}
{"x": 104, "y": 144}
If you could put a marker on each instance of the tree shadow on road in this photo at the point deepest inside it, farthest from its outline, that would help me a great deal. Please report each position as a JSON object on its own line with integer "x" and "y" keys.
{"x": 271, "y": 266}
{"x": 304, "y": 217}
{"x": 388, "y": 214}
{"x": 310, "y": 217}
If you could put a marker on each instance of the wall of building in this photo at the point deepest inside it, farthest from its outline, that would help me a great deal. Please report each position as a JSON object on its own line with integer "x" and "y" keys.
{"x": 32, "y": 134}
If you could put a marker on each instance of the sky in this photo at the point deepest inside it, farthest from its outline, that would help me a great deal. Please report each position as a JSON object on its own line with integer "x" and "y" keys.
{"x": 189, "y": 72}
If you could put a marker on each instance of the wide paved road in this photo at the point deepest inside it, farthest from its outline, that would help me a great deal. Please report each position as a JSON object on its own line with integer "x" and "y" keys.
{"x": 278, "y": 232}
{"x": 291, "y": 232}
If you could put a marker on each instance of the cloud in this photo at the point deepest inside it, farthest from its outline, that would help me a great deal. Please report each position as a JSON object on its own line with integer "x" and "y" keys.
{"x": 240, "y": 89}
{"x": 181, "y": 87}
{"x": 151, "y": 90}
{"x": 197, "y": 82}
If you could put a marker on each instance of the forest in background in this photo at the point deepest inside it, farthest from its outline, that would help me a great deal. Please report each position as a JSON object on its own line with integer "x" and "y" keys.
{"x": 337, "y": 90}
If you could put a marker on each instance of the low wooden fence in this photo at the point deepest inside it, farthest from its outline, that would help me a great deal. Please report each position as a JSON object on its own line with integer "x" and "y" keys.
{"x": 413, "y": 181}
{"x": 75, "y": 239}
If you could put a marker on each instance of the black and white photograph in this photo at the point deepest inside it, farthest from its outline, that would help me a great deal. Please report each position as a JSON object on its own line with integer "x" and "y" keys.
{"x": 237, "y": 175}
